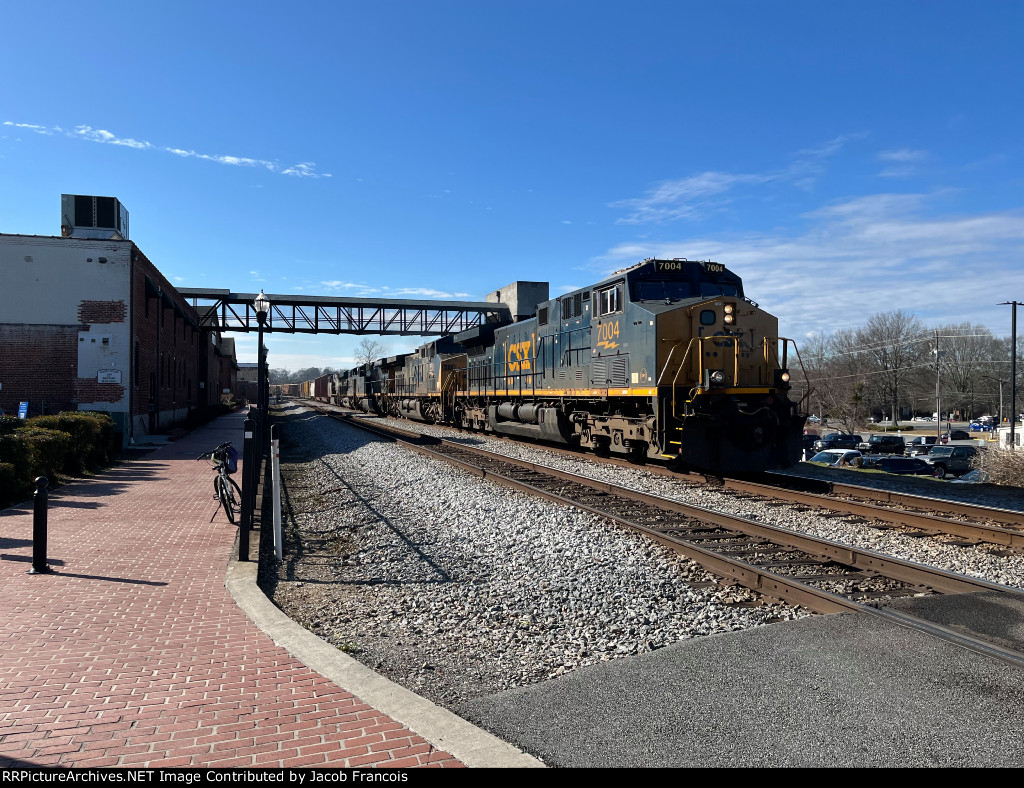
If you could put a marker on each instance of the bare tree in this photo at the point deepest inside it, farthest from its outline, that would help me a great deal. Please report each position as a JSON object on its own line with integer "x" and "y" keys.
{"x": 970, "y": 367}
{"x": 368, "y": 350}
{"x": 845, "y": 387}
{"x": 893, "y": 343}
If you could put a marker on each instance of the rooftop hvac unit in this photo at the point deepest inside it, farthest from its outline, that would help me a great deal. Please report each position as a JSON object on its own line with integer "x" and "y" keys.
{"x": 100, "y": 218}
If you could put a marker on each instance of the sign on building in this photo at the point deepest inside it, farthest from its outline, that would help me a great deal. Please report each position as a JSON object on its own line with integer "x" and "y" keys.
{"x": 23, "y": 410}
{"x": 108, "y": 376}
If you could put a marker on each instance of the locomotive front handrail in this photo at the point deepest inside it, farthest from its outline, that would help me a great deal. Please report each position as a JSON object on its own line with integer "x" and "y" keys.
{"x": 682, "y": 364}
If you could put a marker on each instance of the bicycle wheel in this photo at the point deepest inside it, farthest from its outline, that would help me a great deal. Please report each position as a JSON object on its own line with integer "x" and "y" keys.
{"x": 234, "y": 496}
{"x": 225, "y": 494}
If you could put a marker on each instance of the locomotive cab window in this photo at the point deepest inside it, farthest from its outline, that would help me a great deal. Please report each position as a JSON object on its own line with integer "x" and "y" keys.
{"x": 609, "y": 300}
{"x": 708, "y": 317}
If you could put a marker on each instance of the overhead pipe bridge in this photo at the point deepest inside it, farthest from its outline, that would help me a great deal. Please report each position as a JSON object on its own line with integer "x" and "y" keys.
{"x": 224, "y": 310}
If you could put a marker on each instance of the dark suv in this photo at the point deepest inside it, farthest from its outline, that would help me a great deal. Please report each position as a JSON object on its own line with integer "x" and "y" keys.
{"x": 837, "y": 440}
{"x": 922, "y": 444}
{"x": 883, "y": 444}
{"x": 950, "y": 460}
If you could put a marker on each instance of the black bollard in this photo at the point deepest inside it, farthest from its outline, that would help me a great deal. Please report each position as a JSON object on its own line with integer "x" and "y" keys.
{"x": 39, "y": 566}
{"x": 248, "y": 489}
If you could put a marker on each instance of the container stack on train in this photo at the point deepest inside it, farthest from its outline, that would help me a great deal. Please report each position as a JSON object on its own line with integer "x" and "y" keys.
{"x": 667, "y": 359}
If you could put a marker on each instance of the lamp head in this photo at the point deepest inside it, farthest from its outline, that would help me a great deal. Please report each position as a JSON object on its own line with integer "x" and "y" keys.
{"x": 262, "y": 305}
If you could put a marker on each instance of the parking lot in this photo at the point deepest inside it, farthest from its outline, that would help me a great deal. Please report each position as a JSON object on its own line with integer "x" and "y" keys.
{"x": 898, "y": 452}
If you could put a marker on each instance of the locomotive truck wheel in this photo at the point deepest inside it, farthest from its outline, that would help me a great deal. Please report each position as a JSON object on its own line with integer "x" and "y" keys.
{"x": 637, "y": 452}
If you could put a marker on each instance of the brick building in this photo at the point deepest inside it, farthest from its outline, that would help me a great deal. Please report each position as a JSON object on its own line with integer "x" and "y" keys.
{"x": 87, "y": 322}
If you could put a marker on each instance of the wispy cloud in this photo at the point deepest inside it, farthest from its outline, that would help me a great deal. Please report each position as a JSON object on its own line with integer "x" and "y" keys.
{"x": 33, "y": 127}
{"x": 358, "y": 290}
{"x": 306, "y": 169}
{"x": 338, "y": 284}
{"x": 871, "y": 254}
{"x": 694, "y": 196}
{"x": 104, "y": 136}
{"x": 685, "y": 198}
{"x": 901, "y": 162}
{"x": 422, "y": 292}
{"x": 903, "y": 155}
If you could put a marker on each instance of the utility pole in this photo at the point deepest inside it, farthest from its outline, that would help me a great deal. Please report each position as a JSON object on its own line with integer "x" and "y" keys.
{"x": 1013, "y": 373}
{"x": 938, "y": 392}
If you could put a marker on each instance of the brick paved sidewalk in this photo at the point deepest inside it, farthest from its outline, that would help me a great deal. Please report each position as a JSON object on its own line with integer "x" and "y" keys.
{"x": 133, "y": 653}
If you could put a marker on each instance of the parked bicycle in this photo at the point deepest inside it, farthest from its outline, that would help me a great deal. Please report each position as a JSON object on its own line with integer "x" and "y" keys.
{"x": 225, "y": 461}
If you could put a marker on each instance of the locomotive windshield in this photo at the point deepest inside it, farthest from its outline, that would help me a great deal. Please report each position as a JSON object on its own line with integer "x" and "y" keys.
{"x": 676, "y": 290}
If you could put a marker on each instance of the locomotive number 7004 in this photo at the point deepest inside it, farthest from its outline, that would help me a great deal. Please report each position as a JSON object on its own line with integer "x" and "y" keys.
{"x": 607, "y": 333}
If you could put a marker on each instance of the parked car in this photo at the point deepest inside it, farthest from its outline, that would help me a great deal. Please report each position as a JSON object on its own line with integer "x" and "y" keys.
{"x": 883, "y": 444}
{"x": 955, "y": 435}
{"x": 977, "y": 476}
{"x": 837, "y": 440}
{"x": 979, "y": 426}
{"x": 903, "y": 465}
{"x": 837, "y": 457}
{"x": 922, "y": 444}
{"x": 951, "y": 460}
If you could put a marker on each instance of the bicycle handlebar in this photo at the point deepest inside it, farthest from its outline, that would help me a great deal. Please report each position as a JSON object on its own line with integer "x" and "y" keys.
{"x": 220, "y": 449}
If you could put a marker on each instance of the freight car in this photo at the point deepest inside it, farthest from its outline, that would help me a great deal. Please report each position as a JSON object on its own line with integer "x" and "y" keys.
{"x": 667, "y": 359}
{"x": 284, "y": 390}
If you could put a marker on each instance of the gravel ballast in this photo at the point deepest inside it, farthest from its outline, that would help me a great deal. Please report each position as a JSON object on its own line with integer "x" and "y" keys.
{"x": 458, "y": 588}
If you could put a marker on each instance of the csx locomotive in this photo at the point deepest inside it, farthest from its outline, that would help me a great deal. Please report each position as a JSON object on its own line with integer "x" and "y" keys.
{"x": 667, "y": 359}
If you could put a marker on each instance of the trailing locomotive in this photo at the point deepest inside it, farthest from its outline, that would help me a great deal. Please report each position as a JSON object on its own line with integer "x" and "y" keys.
{"x": 667, "y": 359}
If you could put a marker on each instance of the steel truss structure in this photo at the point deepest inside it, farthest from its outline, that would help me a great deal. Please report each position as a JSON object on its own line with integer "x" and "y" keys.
{"x": 223, "y": 310}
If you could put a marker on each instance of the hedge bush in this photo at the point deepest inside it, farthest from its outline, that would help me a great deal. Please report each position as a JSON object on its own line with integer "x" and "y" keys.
{"x": 49, "y": 452}
{"x": 11, "y": 489}
{"x": 9, "y": 424}
{"x": 64, "y": 443}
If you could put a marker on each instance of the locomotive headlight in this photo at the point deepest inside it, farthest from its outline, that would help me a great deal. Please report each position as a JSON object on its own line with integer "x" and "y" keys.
{"x": 717, "y": 376}
{"x": 785, "y": 377}
{"x": 730, "y": 316}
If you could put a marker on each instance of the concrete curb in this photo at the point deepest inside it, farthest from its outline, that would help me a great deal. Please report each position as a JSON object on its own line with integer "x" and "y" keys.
{"x": 448, "y": 732}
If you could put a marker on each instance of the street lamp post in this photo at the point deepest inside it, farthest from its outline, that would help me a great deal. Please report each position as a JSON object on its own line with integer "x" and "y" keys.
{"x": 262, "y": 306}
{"x": 252, "y": 430}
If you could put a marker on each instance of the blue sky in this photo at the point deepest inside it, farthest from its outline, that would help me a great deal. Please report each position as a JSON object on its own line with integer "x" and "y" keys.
{"x": 844, "y": 158}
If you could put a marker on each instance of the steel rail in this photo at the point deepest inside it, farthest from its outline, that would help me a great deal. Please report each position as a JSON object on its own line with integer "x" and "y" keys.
{"x": 931, "y": 523}
{"x": 1006, "y": 516}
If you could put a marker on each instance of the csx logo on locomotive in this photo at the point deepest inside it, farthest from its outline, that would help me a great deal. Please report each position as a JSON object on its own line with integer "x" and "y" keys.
{"x": 518, "y": 356}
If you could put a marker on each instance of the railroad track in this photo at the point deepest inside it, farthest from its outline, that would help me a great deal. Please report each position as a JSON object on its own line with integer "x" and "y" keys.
{"x": 820, "y": 575}
{"x": 879, "y": 509}
{"x": 908, "y": 512}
